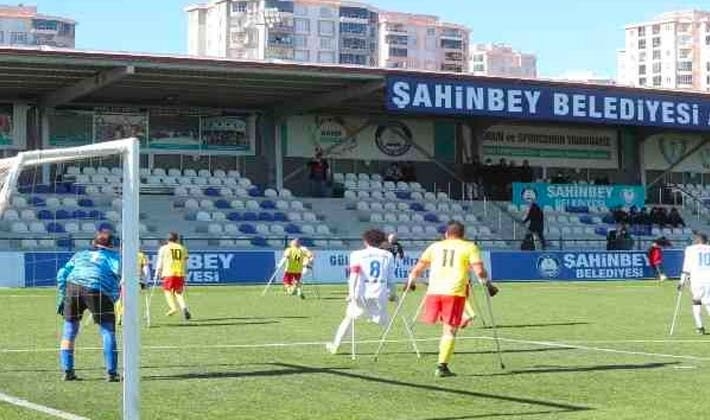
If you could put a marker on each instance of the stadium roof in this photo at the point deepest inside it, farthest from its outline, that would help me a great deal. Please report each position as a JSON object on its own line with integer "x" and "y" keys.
{"x": 60, "y": 77}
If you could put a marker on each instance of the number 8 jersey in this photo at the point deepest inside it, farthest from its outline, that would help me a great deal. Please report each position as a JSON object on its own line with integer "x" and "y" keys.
{"x": 374, "y": 268}
{"x": 450, "y": 261}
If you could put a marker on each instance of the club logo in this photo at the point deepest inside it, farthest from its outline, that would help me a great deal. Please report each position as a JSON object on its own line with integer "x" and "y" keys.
{"x": 672, "y": 149}
{"x": 329, "y": 130}
{"x": 704, "y": 156}
{"x": 393, "y": 138}
{"x": 549, "y": 266}
{"x": 528, "y": 195}
{"x": 628, "y": 196}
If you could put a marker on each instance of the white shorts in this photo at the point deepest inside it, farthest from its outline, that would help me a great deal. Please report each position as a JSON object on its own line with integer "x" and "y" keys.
{"x": 700, "y": 292}
{"x": 375, "y": 310}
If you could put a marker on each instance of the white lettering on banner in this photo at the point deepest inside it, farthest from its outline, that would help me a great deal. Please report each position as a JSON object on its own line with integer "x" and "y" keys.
{"x": 595, "y": 260}
{"x": 525, "y": 101}
{"x": 203, "y": 267}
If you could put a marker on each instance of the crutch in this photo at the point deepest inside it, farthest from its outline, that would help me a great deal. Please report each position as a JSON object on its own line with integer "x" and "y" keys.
{"x": 149, "y": 301}
{"x": 675, "y": 312}
{"x": 410, "y": 333}
{"x": 472, "y": 304}
{"x": 272, "y": 278}
{"x": 493, "y": 325}
{"x": 316, "y": 289}
{"x": 391, "y": 323}
{"x": 353, "y": 353}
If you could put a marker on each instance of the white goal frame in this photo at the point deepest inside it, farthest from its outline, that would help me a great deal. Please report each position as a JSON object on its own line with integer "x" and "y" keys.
{"x": 129, "y": 150}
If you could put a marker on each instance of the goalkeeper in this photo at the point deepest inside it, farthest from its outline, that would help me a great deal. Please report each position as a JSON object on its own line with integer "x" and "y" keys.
{"x": 90, "y": 280}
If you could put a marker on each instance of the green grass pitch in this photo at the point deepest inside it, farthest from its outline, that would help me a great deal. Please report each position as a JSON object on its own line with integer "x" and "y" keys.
{"x": 572, "y": 350}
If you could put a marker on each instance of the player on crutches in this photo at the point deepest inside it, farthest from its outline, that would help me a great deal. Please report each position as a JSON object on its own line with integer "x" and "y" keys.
{"x": 696, "y": 271}
{"x": 369, "y": 283}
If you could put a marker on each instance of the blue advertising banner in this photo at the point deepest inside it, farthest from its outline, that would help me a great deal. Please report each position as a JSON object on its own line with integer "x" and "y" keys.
{"x": 532, "y": 101}
{"x": 204, "y": 267}
{"x": 576, "y": 195}
{"x": 579, "y": 265}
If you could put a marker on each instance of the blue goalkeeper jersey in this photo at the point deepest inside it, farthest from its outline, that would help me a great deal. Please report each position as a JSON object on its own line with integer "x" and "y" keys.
{"x": 97, "y": 269}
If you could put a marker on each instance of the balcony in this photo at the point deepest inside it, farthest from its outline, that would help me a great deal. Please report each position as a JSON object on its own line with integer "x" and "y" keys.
{"x": 396, "y": 29}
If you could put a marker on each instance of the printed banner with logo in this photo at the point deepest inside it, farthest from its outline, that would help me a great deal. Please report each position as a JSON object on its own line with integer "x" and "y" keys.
{"x": 546, "y": 102}
{"x": 579, "y": 265}
{"x": 551, "y": 146}
{"x": 382, "y": 140}
{"x": 561, "y": 196}
{"x": 660, "y": 151}
{"x": 204, "y": 267}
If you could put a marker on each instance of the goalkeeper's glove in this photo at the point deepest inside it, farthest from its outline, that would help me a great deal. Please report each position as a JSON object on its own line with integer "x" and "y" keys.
{"x": 492, "y": 289}
{"x": 684, "y": 278}
{"x": 60, "y": 304}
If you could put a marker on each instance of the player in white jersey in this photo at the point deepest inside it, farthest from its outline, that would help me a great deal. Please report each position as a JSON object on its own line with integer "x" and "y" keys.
{"x": 696, "y": 270}
{"x": 369, "y": 284}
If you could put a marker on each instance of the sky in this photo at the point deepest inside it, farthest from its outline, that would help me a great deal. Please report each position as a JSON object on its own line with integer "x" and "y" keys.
{"x": 570, "y": 37}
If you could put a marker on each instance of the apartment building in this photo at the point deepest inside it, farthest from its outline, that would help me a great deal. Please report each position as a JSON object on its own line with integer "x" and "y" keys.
{"x": 502, "y": 60}
{"x": 669, "y": 51}
{"x": 23, "y": 25}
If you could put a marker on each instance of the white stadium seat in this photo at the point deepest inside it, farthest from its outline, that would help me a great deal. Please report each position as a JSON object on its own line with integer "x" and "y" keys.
{"x": 377, "y": 206}
{"x": 285, "y": 194}
{"x": 37, "y": 227}
{"x": 443, "y": 207}
{"x": 225, "y": 243}
{"x": 174, "y": 172}
{"x": 226, "y": 192}
{"x": 181, "y": 192}
{"x": 88, "y": 227}
{"x": 88, "y": 170}
{"x": 403, "y": 218}
{"x": 294, "y": 217}
{"x": 376, "y": 177}
{"x": 215, "y": 229}
{"x": 362, "y": 206}
{"x": 297, "y": 205}
{"x": 271, "y": 193}
{"x": 159, "y": 172}
{"x": 417, "y": 218}
{"x": 429, "y": 196}
{"x": 282, "y": 205}
{"x": 338, "y": 178}
{"x": 308, "y": 230}
{"x": 363, "y": 195}
{"x": 73, "y": 170}
{"x": 28, "y": 215}
{"x": 389, "y": 229}
{"x": 103, "y": 170}
{"x": 403, "y": 230}
{"x": 200, "y": 181}
{"x": 351, "y": 177}
{"x": 53, "y": 202}
{"x": 377, "y": 195}
{"x": 402, "y": 207}
{"x": 229, "y": 182}
{"x": 204, "y": 173}
{"x": 11, "y": 215}
{"x": 252, "y": 205}
{"x": 241, "y": 192}
{"x": 206, "y": 204}
{"x": 418, "y": 231}
{"x": 323, "y": 230}
{"x": 262, "y": 229}
{"x": 431, "y": 231}
{"x": 457, "y": 208}
{"x": 309, "y": 217}
{"x": 470, "y": 218}
{"x": 350, "y": 195}
{"x": 71, "y": 227}
{"x": 19, "y": 202}
{"x": 237, "y": 204}
{"x": 218, "y": 216}
{"x": 214, "y": 181}
{"x": 390, "y": 206}
{"x": 189, "y": 173}
{"x": 46, "y": 243}
{"x": 203, "y": 216}
{"x": 219, "y": 173}
{"x": 29, "y": 243}
{"x": 277, "y": 230}
{"x": 231, "y": 229}
{"x": 430, "y": 207}
{"x": 442, "y": 196}
{"x": 376, "y": 218}
{"x": 234, "y": 174}
{"x": 390, "y": 218}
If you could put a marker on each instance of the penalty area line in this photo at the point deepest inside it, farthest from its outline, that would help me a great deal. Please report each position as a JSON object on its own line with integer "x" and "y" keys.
{"x": 19, "y": 402}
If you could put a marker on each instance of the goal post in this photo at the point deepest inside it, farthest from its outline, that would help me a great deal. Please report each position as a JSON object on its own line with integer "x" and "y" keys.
{"x": 128, "y": 150}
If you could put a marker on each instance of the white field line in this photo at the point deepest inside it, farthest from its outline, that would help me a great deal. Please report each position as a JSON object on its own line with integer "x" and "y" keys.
{"x": 569, "y": 345}
{"x": 39, "y": 408}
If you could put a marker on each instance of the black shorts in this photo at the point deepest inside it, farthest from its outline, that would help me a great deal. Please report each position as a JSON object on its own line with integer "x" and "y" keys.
{"x": 79, "y": 298}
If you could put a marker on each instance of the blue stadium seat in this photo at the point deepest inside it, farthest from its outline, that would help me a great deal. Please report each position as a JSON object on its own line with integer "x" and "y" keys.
{"x": 441, "y": 229}
{"x": 80, "y": 214}
{"x": 191, "y": 217}
{"x": 65, "y": 243}
{"x": 45, "y": 215}
{"x": 222, "y": 204}
{"x": 55, "y": 228}
{"x": 250, "y": 216}
{"x": 96, "y": 215}
{"x": 42, "y": 189}
{"x": 38, "y": 202}
{"x": 416, "y": 206}
{"x": 247, "y": 229}
{"x": 61, "y": 188}
{"x": 586, "y": 219}
{"x": 77, "y": 189}
{"x": 292, "y": 229}
{"x": 255, "y": 192}
{"x": 62, "y": 214}
{"x": 85, "y": 202}
{"x": 608, "y": 219}
{"x": 265, "y": 217}
{"x": 268, "y": 205}
{"x": 24, "y": 189}
{"x": 212, "y": 192}
{"x": 601, "y": 230}
{"x": 105, "y": 226}
{"x": 431, "y": 218}
{"x": 403, "y": 195}
{"x": 577, "y": 209}
{"x": 308, "y": 242}
{"x": 259, "y": 241}
{"x": 280, "y": 217}
{"x": 234, "y": 216}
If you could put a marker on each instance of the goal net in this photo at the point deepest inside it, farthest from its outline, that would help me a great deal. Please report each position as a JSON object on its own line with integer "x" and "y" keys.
{"x": 52, "y": 203}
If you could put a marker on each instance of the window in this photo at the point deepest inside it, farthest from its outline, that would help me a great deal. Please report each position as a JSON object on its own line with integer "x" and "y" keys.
{"x": 302, "y": 26}
{"x": 327, "y": 44}
{"x": 18, "y": 37}
{"x": 656, "y": 29}
{"x": 707, "y": 65}
{"x": 478, "y": 58}
{"x": 642, "y": 56}
{"x": 431, "y": 31}
{"x": 656, "y": 54}
{"x": 353, "y": 28}
{"x": 685, "y": 66}
{"x": 300, "y": 9}
{"x": 707, "y": 40}
{"x": 683, "y": 27}
{"x": 354, "y": 43}
{"x": 453, "y": 56}
{"x": 326, "y": 57}
{"x": 685, "y": 79}
{"x": 685, "y": 53}
{"x": 642, "y": 31}
{"x": 354, "y": 12}
{"x": 656, "y": 42}
{"x": 656, "y": 80}
{"x": 326, "y": 27}
{"x": 280, "y": 40}
{"x": 642, "y": 81}
{"x": 45, "y": 25}
{"x": 302, "y": 55}
{"x": 430, "y": 43}
{"x": 642, "y": 44}
{"x": 656, "y": 67}
{"x": 239, "y": 7}
{"x": 397, "y": 39}
{"x": 2, "y": 38}
{"x": 642, "y": 69}
{"x": 358, "y": 59}
{"x": 398, "y": 52}
{"x": 300, "y": 41}
{"x": 451, "y": 44}
{"x": 326, "y": 12}
{"x": 668, "y": 27}
{"x": 479, "y": 67}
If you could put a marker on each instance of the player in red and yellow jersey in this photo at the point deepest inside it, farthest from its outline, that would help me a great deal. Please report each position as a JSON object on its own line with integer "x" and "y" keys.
{"x": 172, "y": 269}
{"x": 143, "y": 276}
{"x": 449, "y": 262}
{"x": 297, "y": 259}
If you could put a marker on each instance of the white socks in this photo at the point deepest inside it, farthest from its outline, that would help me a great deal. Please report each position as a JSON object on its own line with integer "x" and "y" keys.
{"x": 343, "y": 330}
{"x": 698, "y": 315}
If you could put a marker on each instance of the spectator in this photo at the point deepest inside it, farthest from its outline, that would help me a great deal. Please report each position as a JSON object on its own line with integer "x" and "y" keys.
{"x": 318, "y": 173}
{"x": 528, "y": 243}
{"x": 526, "y": 172}
{"x": 409, "y": 173}
{"x": 471, "y": 175}
{"x": 536, "y": 220}
{"x": 655, "y": 257}
{"x": 674, "y": 219}
{"x": 624, "y": 241}
{"x": 393, "y": 173}
{"x": 559, "y": 178}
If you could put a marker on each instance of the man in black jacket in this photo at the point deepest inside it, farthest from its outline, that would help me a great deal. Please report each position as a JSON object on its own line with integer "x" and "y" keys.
{"x": 536, "y": 220}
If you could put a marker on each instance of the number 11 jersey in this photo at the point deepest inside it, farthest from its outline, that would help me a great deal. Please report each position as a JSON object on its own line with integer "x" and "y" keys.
{"x": 450, "y": 261}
